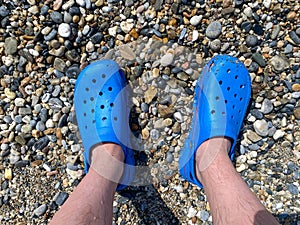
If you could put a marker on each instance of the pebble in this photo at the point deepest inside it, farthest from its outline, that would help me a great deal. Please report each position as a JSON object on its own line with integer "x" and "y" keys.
{"x": 267, "y": 106}
{"x": 178, "y": 117}
{"x": 11, "y": 45}
{"x": 204, "y": 215}
{"x": 293, "y": 189}
{"x": 192, "y": 212}
{"x": 295, "y": 37}
{"x": 279, "y": 63}
{"x": 195, "y": 20}
{"x": 251, "y": 40}
{"x": 278, "y": 134}
{"x": 154, "y": 134}
{"x": 167, "y": 59}
{"x": 213, "y": 30}
{"x": 8, "y": 174}
{"x": 61, "y": 198}
{"x": 261, "y": 127}
{"x": 216, "y": 45}
{"x": 39, "y": 211}
{"x": 64, "y": 30}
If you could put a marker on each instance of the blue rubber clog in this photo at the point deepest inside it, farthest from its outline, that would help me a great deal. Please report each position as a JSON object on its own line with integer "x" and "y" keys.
{"x": 102, "y": 112}
{"x": 221, "y": 99}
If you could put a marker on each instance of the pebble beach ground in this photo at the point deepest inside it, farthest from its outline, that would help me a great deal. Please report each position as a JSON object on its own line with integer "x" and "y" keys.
{"x": 162, "y": 46}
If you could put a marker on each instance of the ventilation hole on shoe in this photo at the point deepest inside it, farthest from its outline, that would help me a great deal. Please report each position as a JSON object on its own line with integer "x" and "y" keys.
{"x": 94, "y": 121}
{"x": 239, "y": 111}
{"x": 93, "y": 110}
{"x": 237, "y": 122}
{"x": 222, "y": 64}
{"x": 233, "y": 106}
{"x": 84, "y": 101}
{"x": 235, "y": 95}
{"x": 217, "y": 98}
{"x": 100, "y": 93}
{"x": 92, "y": 99}
{"x": 84, "y": 114}
{"x": 212, "y": 111}
{"x": 115, "y": 118}
{"x": 241, "y": 99}
{"x": 236, "y": 77}
{"x": 85, "y": 127}
{"x": 102, "y": 106}
{"x": 87, "y": 89}
{"x": 220, "y": 82}
{"x": 104, "y": 118}
{"x": 242, "y": 86}
{"x": 110, "y": 88}
{"x": 228, "y": 71}
{"x": 111, "y": 104}
{"x": 94, "y": 80}
{"x": 103, "y": 75}
{"x": 212, "y": 64}
{"x": 223, "y": 113}
{"x": 231, "y": 117}
{"x": 228, "y": 88}
{"x": 226, "y": 101}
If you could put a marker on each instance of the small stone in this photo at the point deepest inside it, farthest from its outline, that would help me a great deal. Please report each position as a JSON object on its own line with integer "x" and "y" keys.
{"x": 64, "y": 30}
{"x": 261, "y": 127}
{"x": 291, "y": 15}
{"x": 204, "y": 215}
{"x": 11, "y": 45}
{"x": 213, "y": 30}
{"x": 195, "y": 35}
{"x": 251, "y": 40}
{"x": 127, "y": 52}
{"x": 154, "y": 134}
{"x": 145, "y": 133}
{"x": 252, "y": 136}
{"x": 8, "y": 174}
{"x": 178, "y": 117}
{"x": 248, "y": 12}
{"x": 56, "y": 17}
{"x": 39, "y": 211}
{"x": 279, "y": 63}
{"x": 295, "y": 37}
{"x": 60, "y": 65}
{"x": 150, "y": 94}
{"x": 278, "y": 134}
{"x": 275, "y": 31}
{"x": 267, "y": 106}
{"x": 257, "y": 57}
{"x": 167, "y": 59}
{"x": 9, "y": 94}
{"x": 241, "y": 168}
{"x": 126, "y": 26}
{"x": 288, "y": 49}
{"x": 297, "y": 113}
{"x": 192, "y": 212}
{"x": 195, "y": 20}
{"x": 61, "y": 198}
{"x": 216, "y": 45}
{"x": 267, "y": 3}
{"x": 4, "y": 11}
{"x": 293, "y": 189}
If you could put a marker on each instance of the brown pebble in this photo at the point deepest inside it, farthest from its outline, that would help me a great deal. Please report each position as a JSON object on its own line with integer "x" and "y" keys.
{"x": 194, "y": 219}
{"x": 296, "y": 87}
{"x": 297, "y": 113}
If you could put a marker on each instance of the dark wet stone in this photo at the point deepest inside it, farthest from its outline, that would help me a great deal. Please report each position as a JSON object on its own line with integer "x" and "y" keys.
{"x": 97, "y": 38}
{"x": 72, "y": 71}
{"x": 238, "y": 3}
{"x": 74, "y": 11}
{"x": 294, "y": 37}
{"x": 44, "y": 10}
{"x": 51, "y": 35}
{"x": 253, "y": 67}
{"x": 246, "y": 26}
{"x": 56, "y": 17}
{"x": 22, "y": 163}
{"x": 293, "y": 189}
{"x": 61, "y": 198}
{"x": 258, "y": 29}
{"x": 257, "y": 57}
{"x": 62, "y": 121}
{"x": 41, "y": 143}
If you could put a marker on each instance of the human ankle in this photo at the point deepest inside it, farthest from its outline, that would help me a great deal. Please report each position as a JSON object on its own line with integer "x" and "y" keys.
{"x": 208, "y": 151}
{"x": 107, "y": 161}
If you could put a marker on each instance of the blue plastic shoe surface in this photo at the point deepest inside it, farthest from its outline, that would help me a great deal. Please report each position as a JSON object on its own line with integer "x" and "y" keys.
{"x": 221, "y": 99}
{"x": 102, "y": 112}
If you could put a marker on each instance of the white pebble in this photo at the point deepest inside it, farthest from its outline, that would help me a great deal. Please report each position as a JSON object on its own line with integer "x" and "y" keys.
{"x": 64, "y": 30}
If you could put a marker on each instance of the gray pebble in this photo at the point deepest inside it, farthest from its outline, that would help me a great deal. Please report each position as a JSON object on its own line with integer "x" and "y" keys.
{"x": 40, "y": 210}
{"x": 56, "y": 17}
{"x": 4, "y": 11}
{"x": 169, "y": 157}
{"x": 257, "y": 57}
{"x": 40, "y": 126}
{"x": 215, "y": 45}
{"x": 154, "y": 134}
{"x": 204, "y": 215}
{"x": 293, "y": 189}
{"x": 51, "y": 35}
{"x": 295, "y": 37}
{"x": 288, "y": 49}
{"x": 61, "y": 198}
{"x": 213, "y": 30}
{"x": 267, "y": 106}
{"x": 275, "y": 31}
{"x": 251, "y": 40}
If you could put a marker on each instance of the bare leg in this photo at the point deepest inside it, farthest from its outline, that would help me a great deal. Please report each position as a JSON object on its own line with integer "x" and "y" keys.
{"x": 231, "y": 200}
{"x": 91, "y": 202}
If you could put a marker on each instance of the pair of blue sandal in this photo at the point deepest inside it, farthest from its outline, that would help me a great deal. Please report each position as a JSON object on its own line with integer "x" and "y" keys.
{"x": 221, "y": 99}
